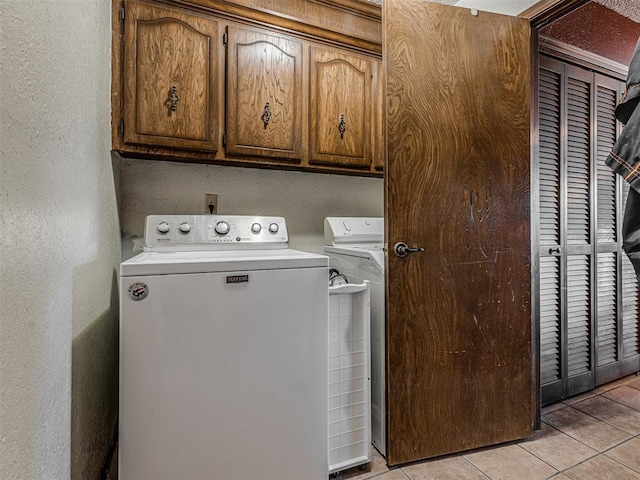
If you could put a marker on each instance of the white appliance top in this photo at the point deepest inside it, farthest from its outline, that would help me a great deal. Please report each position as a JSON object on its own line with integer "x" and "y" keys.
{"x": 170, "y": 263}
{"x": 356, "y": 236}
{"x": 353, "y": 230}
{"x": 179, "y": 244}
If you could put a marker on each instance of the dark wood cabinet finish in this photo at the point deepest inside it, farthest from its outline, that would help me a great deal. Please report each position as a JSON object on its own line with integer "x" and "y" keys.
{"x": 459, "y": 353}
{"x": 341, "y": 115}
{"x": 170, "y": 78}
{"x": 264, "y": 95}
{"x": 230, "y": 83}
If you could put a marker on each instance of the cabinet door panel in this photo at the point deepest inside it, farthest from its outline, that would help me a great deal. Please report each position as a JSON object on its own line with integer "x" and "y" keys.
{"x": 170, "y": 78}
{"x": 264, "y": 95}
{"x": 341, "y": 116}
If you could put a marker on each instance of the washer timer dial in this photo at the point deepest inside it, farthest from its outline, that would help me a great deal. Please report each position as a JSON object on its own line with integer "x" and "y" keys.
{"x": 222, "y": 228}
{"x": 163, "y": 227}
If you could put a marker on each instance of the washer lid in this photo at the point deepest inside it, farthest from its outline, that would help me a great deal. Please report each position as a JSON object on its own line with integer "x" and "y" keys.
{"x": 353, "y": 230}
{"x": 374, "y": 253}
{"x": 169, "y": 263}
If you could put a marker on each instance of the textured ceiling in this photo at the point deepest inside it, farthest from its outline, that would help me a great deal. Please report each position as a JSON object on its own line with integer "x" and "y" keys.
{"x": 626, "y": 8}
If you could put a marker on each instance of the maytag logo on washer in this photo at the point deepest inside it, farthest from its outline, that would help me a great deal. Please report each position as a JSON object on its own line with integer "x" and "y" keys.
{"x": 138, "y": 291}
{"x": 237, "y": 278}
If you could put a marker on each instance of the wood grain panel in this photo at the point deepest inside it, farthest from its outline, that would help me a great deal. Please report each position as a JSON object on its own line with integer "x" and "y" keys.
{"x": 264, "y": 69}
{"x": 545, "y": 11}
{"x": 167, "y": 49}
{"x": 379, "y": 138}
{"x": 196, "y": 151}
{"x": 340, "y": 92}
{"x": 353, "y": 23}
{"x": 457, "y": 184}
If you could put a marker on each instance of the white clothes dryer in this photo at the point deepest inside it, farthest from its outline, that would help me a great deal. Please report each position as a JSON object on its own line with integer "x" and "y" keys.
{"x": 355, "y": 246}
{"x": 223, "y": 353}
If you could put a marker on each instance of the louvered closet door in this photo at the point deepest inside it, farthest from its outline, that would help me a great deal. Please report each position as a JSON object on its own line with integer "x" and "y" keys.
{"x": 608, "y": 347}
{"x": 566, "y": 263}
{"x": 578, "y": 236}
{"x": 588, "y": 307}
{"x": 552, "y": 328}
{"x": 617, "y": 349}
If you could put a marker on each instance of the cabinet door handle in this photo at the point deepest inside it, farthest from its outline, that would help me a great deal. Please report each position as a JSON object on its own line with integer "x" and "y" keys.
{"x": 174, "y": 98}
{"x": 266, "y": 114}
{"x": 342, "y": 126}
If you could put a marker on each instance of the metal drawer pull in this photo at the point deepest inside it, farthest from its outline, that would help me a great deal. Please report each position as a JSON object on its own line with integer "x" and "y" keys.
{"x": 554, "y": 250}
{"x": 402, "y": 249}
{"x": 342, "y": 126}
{"x": 174, "y": 98}
{"x": 266, "y": 115}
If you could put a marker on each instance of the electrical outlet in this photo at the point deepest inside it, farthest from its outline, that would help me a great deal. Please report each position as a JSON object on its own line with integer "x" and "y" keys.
{"x": 210, "y": 203}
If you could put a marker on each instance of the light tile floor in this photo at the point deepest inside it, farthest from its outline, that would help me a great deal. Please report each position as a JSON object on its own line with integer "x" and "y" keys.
{"x": 595, "y": 436}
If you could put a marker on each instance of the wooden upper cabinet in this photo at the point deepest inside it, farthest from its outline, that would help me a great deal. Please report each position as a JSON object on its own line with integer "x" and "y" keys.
{"x": 170, "y": 78}
{"x": 341, "y": 108}
{"x": 264, "y": 95}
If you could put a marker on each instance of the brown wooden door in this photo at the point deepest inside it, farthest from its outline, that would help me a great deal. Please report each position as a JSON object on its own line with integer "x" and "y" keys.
{"x": 171, "y": 78}
{"x": 457, "y": 179}
{"x": 341, "y": 121}
{"x": 264, "y": 95}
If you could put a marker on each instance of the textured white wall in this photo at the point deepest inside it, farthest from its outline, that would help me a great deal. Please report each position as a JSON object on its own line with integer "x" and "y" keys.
{"x": 304, "y": 199}
{"x": 59, "y": 240}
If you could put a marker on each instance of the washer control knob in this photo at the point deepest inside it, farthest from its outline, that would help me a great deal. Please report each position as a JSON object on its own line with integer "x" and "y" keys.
{"x": 256, "y": 227}
{"x": 163, "y": 227}
{"x": 273, "y": 228}
{"x": 185, "y": 227}
{"x": 222, "y": 228}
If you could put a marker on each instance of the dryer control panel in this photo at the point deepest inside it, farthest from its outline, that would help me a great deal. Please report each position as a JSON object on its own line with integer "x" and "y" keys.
{"x": 214, "y": 232}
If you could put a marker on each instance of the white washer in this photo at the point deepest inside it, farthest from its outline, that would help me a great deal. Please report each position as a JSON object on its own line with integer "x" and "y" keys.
{"x": 223, "y": 353}
{"x": 356, "y": 248}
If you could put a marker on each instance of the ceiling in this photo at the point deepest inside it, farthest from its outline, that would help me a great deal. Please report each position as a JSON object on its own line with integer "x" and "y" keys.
{"x": 626, "y": 8}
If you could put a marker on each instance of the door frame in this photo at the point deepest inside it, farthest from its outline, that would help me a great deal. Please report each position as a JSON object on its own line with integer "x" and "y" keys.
{"x": 540, "y": 14}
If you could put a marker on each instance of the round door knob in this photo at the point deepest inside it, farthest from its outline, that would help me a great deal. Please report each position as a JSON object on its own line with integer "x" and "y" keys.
{"x": 222, "y": 228}
{"x": 256, "y": 227}
{"x": 163, "y": 227}
{"x": 185, "y": 227}
{"x": 273, "y": 228}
